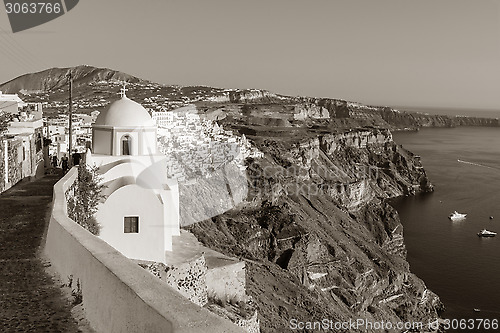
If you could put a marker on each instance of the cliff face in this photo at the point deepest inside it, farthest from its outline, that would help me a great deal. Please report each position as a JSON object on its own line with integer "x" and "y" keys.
{"x": 319, "y": 238}
{"x": 304, "y": 111}
{"x": 414, "y": 120}
{"x": 394, "y": 119}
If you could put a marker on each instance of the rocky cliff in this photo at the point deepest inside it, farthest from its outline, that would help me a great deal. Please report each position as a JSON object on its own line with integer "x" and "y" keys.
{"x": 413, "y": 120}
{"x": 319, "y": 239}
{"x": 388, "y": 117}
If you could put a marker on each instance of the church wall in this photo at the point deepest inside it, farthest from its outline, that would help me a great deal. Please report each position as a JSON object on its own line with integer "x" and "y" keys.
{"x": 155, "y": 175}
{"x": 124, "y": 169}
{"x": 119, "y": 133}
{"x": 148, "y": 142}
{"x": 174, "y": 189}
{"x": 148, "y": 171}
{"x": 171, "y": 218}
{"x": 132, "y": 200}
{"x": 108, "y": 161}
{"x": 118, "y": 295}
{"x": 101, "y": 142}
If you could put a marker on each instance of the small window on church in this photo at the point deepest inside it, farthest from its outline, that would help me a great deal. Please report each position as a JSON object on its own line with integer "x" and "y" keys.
{"x": 126, "y": 145}
{"x": 131, "y": 224}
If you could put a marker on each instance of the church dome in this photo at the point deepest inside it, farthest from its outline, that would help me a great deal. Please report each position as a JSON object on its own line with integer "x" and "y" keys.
{"x": 125, "y": 113}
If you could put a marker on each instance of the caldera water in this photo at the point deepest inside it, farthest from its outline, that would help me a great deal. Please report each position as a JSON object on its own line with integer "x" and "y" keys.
{"x": 463, "y": 269}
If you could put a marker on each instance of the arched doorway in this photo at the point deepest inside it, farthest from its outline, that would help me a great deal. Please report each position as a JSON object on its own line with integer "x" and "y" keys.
{"x": 126, "y": 145}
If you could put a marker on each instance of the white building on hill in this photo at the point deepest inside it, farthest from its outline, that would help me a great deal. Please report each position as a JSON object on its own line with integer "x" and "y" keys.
{"x": 22, "y": 144}
{"x": 140, "y": 214}
{"x": 10, "y": 103}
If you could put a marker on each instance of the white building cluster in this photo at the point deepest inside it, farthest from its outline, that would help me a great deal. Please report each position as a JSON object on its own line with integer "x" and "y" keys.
{"x": 196, "y": 146}
{"x": 57, "y": 130}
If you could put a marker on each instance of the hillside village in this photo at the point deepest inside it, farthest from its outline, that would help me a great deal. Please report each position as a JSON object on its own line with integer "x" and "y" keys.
{"x": 195, "y": 145}
{"x": 99, "y": 94}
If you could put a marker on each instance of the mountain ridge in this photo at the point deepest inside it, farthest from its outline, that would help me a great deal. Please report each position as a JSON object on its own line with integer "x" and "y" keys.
{"x": 93, "y": 85}
{"x": 55, "y": 78}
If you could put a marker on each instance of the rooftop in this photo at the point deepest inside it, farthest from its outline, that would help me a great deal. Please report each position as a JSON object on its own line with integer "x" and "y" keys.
{"x": 125, "y": 113}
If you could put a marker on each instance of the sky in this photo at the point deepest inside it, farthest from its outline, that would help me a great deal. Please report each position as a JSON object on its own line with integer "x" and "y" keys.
{"x": 424, "y": 53}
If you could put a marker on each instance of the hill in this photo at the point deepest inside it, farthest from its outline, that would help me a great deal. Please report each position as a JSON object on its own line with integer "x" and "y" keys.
{"x": 56, "y": 78}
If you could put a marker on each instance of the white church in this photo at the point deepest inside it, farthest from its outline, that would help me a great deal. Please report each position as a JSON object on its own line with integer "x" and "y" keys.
{"x": 140, "y": 214}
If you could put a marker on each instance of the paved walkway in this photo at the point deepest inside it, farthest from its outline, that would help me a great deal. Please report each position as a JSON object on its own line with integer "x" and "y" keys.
{"x": 30, "y": 301}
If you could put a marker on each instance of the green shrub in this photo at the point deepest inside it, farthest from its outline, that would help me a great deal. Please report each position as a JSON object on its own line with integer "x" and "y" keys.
{"x": 83, "y": 198}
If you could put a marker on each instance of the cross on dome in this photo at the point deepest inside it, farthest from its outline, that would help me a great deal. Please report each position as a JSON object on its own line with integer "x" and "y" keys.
{"x": 123, "y": 90}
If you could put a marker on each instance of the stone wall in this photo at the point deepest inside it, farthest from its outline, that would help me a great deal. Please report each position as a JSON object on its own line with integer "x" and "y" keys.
{"x": 189, "y": 279}
{"x": 14, "y": 161}
{"x": 19, "y": 159}
{"x": 11, "y": 162}
{"x": 251, "y": 325}
{"x": 227, "y": 281}
{"x": 207, "y": 278}
{"x": 195, "y": 280}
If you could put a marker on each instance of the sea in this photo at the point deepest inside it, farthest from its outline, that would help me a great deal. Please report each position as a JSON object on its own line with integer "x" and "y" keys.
{"x": 463, "y": 269}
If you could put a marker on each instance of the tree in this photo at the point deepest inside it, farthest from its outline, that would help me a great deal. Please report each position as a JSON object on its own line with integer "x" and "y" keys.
{"x": 83, "y": 198}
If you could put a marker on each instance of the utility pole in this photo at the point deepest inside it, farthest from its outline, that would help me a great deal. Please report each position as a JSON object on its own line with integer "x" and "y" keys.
{"x": 70, "y": 146}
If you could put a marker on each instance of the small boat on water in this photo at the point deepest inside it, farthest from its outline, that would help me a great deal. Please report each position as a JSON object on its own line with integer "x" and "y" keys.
{"x": 486, "y": 233}
{"x": 457, "y": 216}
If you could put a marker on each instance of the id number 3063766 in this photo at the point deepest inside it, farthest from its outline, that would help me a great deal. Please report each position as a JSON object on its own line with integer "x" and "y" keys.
{"x": 32, "y": 8}
{"x": 470, "y": 324}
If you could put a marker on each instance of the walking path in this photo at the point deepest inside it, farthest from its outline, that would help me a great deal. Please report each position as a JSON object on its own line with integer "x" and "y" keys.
{"x": 30, "y": 300}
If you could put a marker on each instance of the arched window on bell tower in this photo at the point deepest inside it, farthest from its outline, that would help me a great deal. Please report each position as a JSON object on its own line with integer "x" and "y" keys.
{"x": 126, "y": 145}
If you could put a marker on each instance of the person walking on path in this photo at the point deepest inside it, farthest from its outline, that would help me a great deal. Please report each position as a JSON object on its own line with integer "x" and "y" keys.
{"x": 64, "y": 163}
{"x": 76, "y": 157}
{"x": 55, "y": 160}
